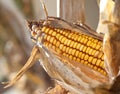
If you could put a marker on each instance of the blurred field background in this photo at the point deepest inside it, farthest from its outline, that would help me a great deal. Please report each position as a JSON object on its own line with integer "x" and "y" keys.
{"x": 15, "y": 46}
{"x": 15, "y": 43}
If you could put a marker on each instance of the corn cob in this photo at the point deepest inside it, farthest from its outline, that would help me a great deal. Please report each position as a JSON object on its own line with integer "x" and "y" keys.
{"x": 76, "y": 47}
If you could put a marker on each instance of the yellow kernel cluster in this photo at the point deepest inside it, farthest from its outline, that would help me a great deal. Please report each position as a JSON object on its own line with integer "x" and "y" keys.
{"x": 76, "y": 46}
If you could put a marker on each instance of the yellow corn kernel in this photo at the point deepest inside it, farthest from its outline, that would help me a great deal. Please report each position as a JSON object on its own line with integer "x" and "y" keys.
{"x": 51, "y": 39}
{"x": 99, "y": 42}
{"x": 90, "y": 51}
{"x": 63, "y": 40}
{"x": 94, "y": 51}
{"x": 45, "y": 37}
{"x": 98, "y": 69}
{"x": 61, "y": 31}
{"x": 85, "y": 62}
{"x": 82, "y": 40}
{"x": 57, "y": 44}
{"x": 88, "y": 43}
{"x": 95, "y": 68}
{"x": 73, "y": 52}
{"x": 74, "y": 58}
{"x": 45, "y": 29}
{"x": 101, "y": 48}
{"x": 95, "y": 40}
{"x": 60, "y": 38}
{"x": 78, "y": 46}
{"x": 69, "y": 36}
{"x": 73, "y": 36}
{"x": 82, "y": 56}
{"x": 69, "y": 41}
{"x": 84, "y": 49}
{"x": 100, "y": 55}
{"x": 77, "y": 53}
{"x": 87, "y": 50}
{"x": 78, "y": 60}
{"x": 86, "y": 57}
{"x": 102, "y": 71}
{"x": 98, "y": 62}
{"x": 98, "y": 47}
{"x": 72, "y": 43}
{"x": 75, "y": 45}
{"x": 81, "y": 47}
{"x": 82, "y": 61}
{"x": 90, "y": 38}
{"x": 70, "y": 56}
{"x": 70, "y": 51}
{"x": 64, "y": 48}
{"x": 66, "y": 41}
{"x": 64, "y": 54}
{"x": 90, "y": 59}
{"x": 94, "y": 45}
{"x": 102, "y": 64}
{"x": 91, "y": 66}
{"x": 79, "y": 38}
{"x": 46, "y": 44}
{"x": 105, "y": 73}
{"x": 66, "y": 34}
{"x": 94, "y": 61}
{"x": 54, "y": 33}
{"x": 96, "y": 54}
{"x": 67, "y": 49}
{"x": 76, "y": 37}
{"x": 58, "y": 50}
{"x": 85, "y": 41}
{"x": 58, "y": 30}
{"x": 54, "y": 41}
{"x": 61, "y": 46}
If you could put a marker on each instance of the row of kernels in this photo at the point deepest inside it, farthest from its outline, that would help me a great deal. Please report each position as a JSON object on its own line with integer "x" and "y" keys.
{"x": 79, "y": 54}
{"x": 83, "y": 40}
{"x": 51, "y": 39}
{"x": 96, "y": 62}
{"x": 58, "y": 44}
{"x": 71, "y": 35}
{"x": 70, "y": 42}
{"x": 45, "y": 29}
